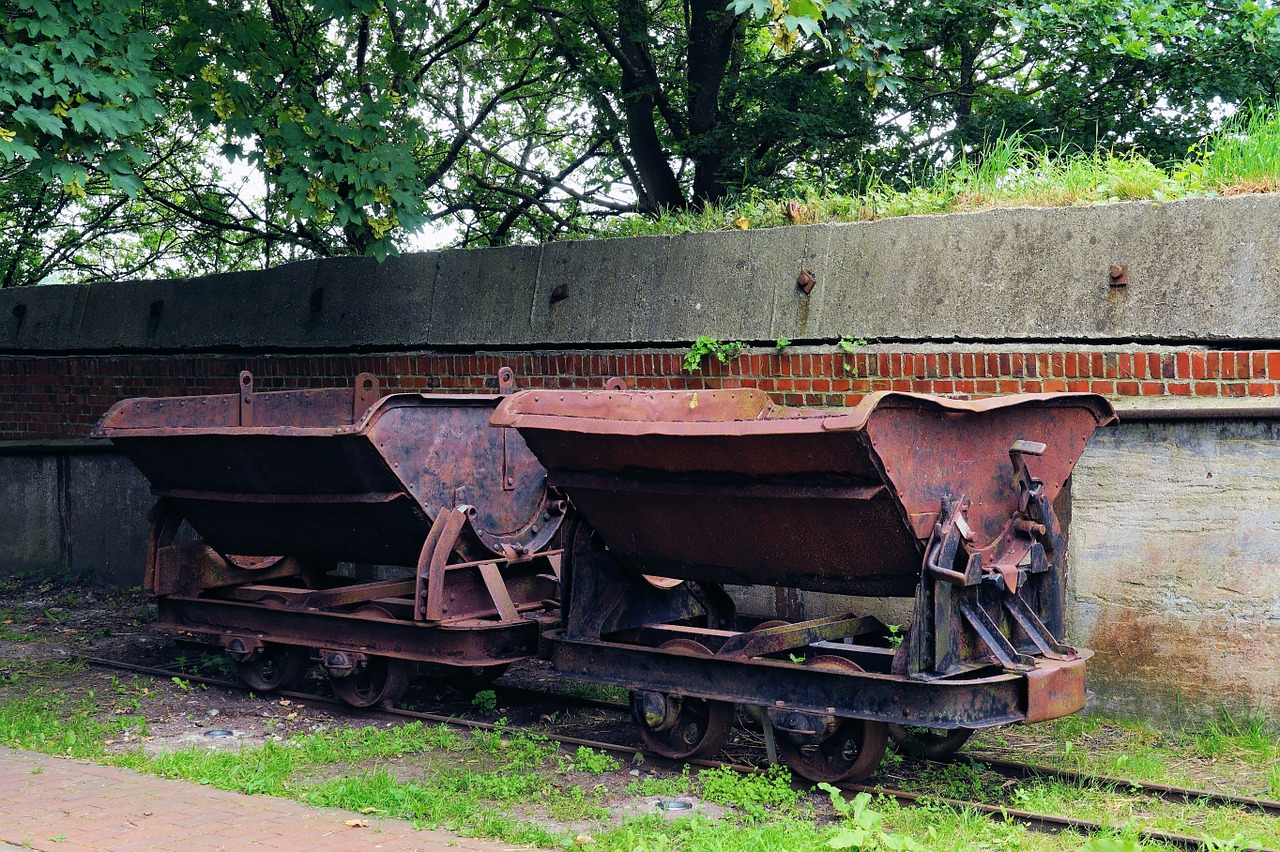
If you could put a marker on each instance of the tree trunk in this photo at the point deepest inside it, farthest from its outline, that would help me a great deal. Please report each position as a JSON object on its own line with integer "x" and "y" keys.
{"x": 712, "y": 32}
{"x": 652, "y": 161}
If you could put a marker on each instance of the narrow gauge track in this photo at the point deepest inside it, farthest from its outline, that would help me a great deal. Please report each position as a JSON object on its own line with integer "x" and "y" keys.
{"x": 1037, "y": 821}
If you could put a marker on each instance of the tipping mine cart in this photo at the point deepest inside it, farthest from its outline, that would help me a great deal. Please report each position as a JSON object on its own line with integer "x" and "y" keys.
{"x": 949, "y": 502}
{"x": 281, "y": 487}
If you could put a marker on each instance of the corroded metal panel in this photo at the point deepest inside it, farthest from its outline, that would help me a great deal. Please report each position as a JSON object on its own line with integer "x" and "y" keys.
{"x": 337, "y": 474}
{"x": 725, "y": 486}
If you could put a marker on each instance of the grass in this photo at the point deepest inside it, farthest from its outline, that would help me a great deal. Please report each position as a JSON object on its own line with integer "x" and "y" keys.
{"x": 521, "y": 788}
{"x": 1016, "y": 171}
{"x": 1233, "y": 753}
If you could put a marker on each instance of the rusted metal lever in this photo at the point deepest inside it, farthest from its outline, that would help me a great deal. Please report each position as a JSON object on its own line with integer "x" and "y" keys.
{"x": 948, "y": 533}
{"x": 1024, "y": 483}
{"x": 1018, "y": 453}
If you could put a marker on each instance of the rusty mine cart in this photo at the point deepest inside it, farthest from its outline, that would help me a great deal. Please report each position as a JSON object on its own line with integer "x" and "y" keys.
{"x": 281, "y": 487}
{"x": 678, "y": 493}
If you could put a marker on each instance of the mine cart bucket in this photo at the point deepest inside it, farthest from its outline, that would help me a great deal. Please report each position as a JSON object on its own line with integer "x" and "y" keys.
{"x": 724, "y": 486}
{"x": 337, "y": 474}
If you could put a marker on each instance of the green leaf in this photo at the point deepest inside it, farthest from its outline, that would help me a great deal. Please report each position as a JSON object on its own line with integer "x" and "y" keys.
{"x": 41, "y": 120}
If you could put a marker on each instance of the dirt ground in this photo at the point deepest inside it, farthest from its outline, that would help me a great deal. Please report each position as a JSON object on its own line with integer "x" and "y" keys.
{"x": 46, "y": 623}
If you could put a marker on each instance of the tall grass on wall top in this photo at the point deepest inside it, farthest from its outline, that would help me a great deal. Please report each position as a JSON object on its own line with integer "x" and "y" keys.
{"x": 1016, "y": 171}
{"x": 1243, "y": 157}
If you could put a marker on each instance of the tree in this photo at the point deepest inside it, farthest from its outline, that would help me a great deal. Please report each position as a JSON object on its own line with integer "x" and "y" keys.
{"x": 1125, "y": 74}
{"x": 355, "y": 121}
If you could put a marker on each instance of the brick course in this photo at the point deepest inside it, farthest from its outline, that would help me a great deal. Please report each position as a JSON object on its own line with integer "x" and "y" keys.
{"x": 59, "y": 397}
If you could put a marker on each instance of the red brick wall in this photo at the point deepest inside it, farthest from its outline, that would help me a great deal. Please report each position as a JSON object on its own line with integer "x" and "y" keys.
{"x": 63, "y": 396}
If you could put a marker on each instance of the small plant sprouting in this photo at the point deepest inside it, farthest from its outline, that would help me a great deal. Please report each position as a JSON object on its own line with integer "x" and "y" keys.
{"x": 782, "y": 343}
{"x": 184, "y": 685}
{"x": 862, "y": 827}
{"x": 848, "y": 344}
{"x": 896, "y": 636}
{"x": 592, "y": 762}
{"x": 704, "y": 346}
{"x": 486, "y": 700}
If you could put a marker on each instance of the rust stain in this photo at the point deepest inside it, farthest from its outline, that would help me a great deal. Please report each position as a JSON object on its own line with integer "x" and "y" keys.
{"x": 1163, "y": 662}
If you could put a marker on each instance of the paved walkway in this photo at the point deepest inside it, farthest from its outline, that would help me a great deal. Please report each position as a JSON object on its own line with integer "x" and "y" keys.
{"x": 63, "y": 805}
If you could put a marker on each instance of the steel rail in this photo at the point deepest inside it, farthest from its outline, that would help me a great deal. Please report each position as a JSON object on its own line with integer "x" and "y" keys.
{"x": 1037, "y": 821}
{"x": 1167, "y": 792}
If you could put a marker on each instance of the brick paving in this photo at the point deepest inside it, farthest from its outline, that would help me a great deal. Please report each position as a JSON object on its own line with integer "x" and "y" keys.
{"x": 63, "y": 805}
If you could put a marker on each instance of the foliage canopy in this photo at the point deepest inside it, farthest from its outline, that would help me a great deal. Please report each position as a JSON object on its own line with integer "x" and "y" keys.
{"x": 172, "y": 138}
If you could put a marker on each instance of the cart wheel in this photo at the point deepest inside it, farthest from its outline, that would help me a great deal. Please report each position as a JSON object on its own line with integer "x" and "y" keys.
{"x": 851, "y": 752}
{"x": 277, "y": 667}
{"x": 687, "y": 727}
{"x": 929, "y": 743}
{"x": 382, "y": 680}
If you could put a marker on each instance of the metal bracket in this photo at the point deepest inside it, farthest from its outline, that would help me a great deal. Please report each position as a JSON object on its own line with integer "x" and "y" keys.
{"x": 242, "y": 649}
{"x": 991, "y": 636}
{"x": 506, "y": 381}
{"x": 366, "y": 394}
{"x": 246, "y": 398}
{"x": 770, "y": 741}
{"x": 440, "y": 542}
{"x": 949, "y": 533}
{"x": 497, "y": 587}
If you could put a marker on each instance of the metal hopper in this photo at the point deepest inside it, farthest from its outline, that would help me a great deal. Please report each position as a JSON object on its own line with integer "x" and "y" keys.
{"x": 947, "y": 501}
{"x": 338, "y": 474}
{"x": 725, "y": 486}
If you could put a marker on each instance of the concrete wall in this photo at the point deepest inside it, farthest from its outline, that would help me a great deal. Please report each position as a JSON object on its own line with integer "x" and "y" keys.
{"x": 1198, "y": 270}
{"x": 1175, "y": 566}
{"x": 72, "y": 510}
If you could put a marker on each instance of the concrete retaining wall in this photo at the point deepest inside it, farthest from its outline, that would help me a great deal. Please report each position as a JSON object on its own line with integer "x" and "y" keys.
{"x": 1175, "y": 548}
{"x": 1198, "y": 271}
{"x": 72, "y": 510}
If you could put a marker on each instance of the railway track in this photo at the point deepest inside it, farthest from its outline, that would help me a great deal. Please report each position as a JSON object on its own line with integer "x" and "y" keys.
{"x": 1010, "y": 769}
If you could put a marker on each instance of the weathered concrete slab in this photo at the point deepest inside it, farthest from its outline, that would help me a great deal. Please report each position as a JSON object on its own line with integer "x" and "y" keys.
{"x": 606, "y": 288}
{"x": 33, "y": 319}
{"x": 795, "y": 314}
{"x": 33, "y": 525}
{"x": 1194, "y": 268}
{"x": 107, "y": 505}
{"x": 1175, "y": 560}
{"x": 713, "y": 287}
{"x": 1200, "y": 270}
{"x": 482, "y": 297}
{"x": 316, "y": 305}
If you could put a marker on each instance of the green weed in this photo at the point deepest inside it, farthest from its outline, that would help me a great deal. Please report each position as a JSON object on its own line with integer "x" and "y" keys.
{"x": 863, "y": 826}
{"x": 667, "y": 787}
{"x": 593, "y": 762}
{"x": 486, "y": 700}
{"x": 754, "y": 795}
{"x": 709, "y": 346}
{"x": 572, "y": 804}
